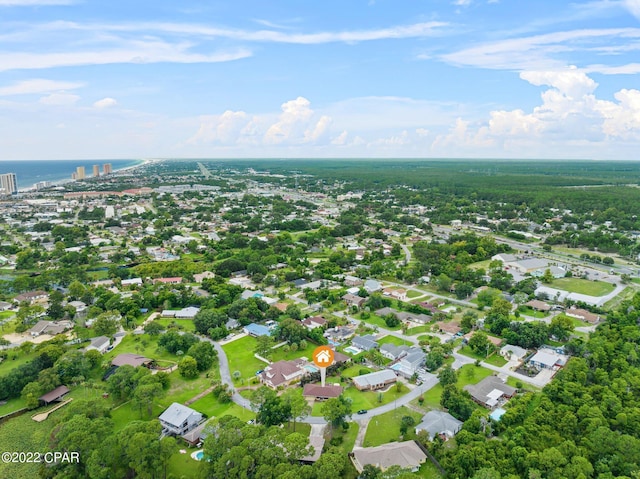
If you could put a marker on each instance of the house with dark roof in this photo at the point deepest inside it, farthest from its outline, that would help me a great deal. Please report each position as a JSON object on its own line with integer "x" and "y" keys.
{"x": 439, "y": 423}
{"x": 56, "y": 395}
{"x": 178, "y": 419}
{"x": 281, "y": 373}
{"x": 490, "y": 392}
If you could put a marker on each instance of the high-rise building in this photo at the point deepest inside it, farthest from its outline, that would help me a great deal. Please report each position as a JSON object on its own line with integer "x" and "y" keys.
{"x": 96, "y": 171}
{"x": 106, "y": 169}
{"x": 8, "y": 184}
{"x": 80, "y": 173}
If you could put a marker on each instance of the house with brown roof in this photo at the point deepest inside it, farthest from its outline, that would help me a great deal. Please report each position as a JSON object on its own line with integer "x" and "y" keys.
{"x": 314, "y": 322}
{"x": 56, "y": 395}
{"x": 32, "y": 297}
{"x": 449, "y": 327}
{"x": 281, "y": 373}
{"x": 131, "y": 359}
{"x": 582, "y": 314}
{"x": 322, "y": 393}
{"x": 354, "y": 300}
{"x": 538, "y": 305}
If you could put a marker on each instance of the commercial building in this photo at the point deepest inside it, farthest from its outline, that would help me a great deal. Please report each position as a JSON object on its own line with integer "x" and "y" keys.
{"x": 8, "y": 184}
{"x": 80, "y": 173}
{"x": 96, "y": 171}
{"x": 106, "y": 169}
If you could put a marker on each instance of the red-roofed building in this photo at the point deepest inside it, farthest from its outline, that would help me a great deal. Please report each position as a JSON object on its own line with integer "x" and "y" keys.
{"x": 321, "y": 393}
{"x": 281, "y": 373}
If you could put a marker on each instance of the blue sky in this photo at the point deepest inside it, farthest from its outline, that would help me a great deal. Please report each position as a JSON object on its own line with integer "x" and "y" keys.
{"x": 337, "y": 78}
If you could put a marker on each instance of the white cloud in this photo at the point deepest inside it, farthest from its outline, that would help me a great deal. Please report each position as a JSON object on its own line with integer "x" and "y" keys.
{"x": 296, "y": 124}
{"x": 570, "y": 82}
{"x": 633, "y": 6}
{"x": 570, "y": 119}
{"x": 341, "y": 139}
{"x": 36, "y": 86}
{"x": 422, "y": 132}
{"x": 224, "y": 129}
{"x": 105, "y": 103}
{"x": 540, "y": 52}
{"x": 136, "y": 52}
{"x": 59, "y": 99}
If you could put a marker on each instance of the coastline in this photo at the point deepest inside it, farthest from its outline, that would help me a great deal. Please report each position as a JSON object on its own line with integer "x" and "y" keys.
{"x": 64, "y": 181}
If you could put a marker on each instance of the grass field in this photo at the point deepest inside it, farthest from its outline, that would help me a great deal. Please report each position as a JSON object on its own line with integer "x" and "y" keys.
{"x": 365, "y": 399}
{"x": 240, "y": 355}
{"x": 583, "y": 286}
{"x": 425, "y": 328}
{"x": 494, "y": 359}
{"x": 181, "y": 324}
{"x": 22, "y": 434}
{"x": 214, "y": 409}
{"x": 376, "y": 320}
{"x": 12, "y": 405}
{"x": 183, "y": 465}
{"x": 15, "y": 359}
{"x": 527, "y": 311}
{"x": 414, "y": 294}
{"x": 348, "y": 436}
{"x": 142, "y": 344}
{"x": 386, "y": 427}
{"x": 389, "y": 339}
{"x": 354, "y": 370}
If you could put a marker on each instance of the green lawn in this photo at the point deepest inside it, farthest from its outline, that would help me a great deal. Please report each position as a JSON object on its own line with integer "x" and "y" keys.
{"x": 142, "y": 344}
{"x": 6, "y": 314}
{"x": 527, "y": 311}
{"x": 181, "y": 389}
{"x": 15, "y": 359}
{"x": 472, "y": 374}
{"x": 181, "y": 324}
{"x": 125, "y": 413}
{"x": 183, "y": 465}
{"x": 348, "y": 436}
{"x": 425, "y": 328}
{"x": 365, "y": 399}
{"x": 583, "y": 286}
{"x": 389, "y": 339}
{"x": 414, "y": 294}
{"x": 12, "y": 405}
{"x": 22, "y": 434}
{"x": 241, "y": 358}
{"x": 386, "y": 427}
{"x": 354, "y": 370}
{"x": 279, "y": 354}
{"x": 378, "y": 321}
{"x": 494, "y": 359}
{"x": 210, "y": 406}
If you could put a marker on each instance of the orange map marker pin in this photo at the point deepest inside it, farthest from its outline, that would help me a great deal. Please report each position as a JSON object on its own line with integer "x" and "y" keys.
{"x": 323, "y": 357}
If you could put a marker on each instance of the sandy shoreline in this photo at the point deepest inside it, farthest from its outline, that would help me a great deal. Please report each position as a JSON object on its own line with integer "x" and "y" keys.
{"x": 69, "y": 180}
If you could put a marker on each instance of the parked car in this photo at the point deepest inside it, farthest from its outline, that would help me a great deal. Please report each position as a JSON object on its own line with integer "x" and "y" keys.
{"x": 362, "y": 411}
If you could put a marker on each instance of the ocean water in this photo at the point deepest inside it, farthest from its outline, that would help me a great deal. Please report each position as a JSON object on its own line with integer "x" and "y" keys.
{"x": 30, "y": 172}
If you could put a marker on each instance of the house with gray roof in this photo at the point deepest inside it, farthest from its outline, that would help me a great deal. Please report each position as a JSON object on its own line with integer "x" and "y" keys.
{"x": 405, "y": 454}
{"x": 393, "y": 352}
{"x": 100, "y": 344}
{"x": 439, "y": 423}
{"x": 364, "y": 343}
{"x": 375, "y": 380}
{"x": 178, "y": 419}
{"x": 490, "y": 391}
{"x": 513, "y": 353}
{"x": 371, "y": 285}
{"x": 410, "y": 363}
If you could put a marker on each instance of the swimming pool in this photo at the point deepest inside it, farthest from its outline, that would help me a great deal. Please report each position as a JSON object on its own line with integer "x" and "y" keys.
{"x": 197, "y": 455}
{"x": 351, "y": 350}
